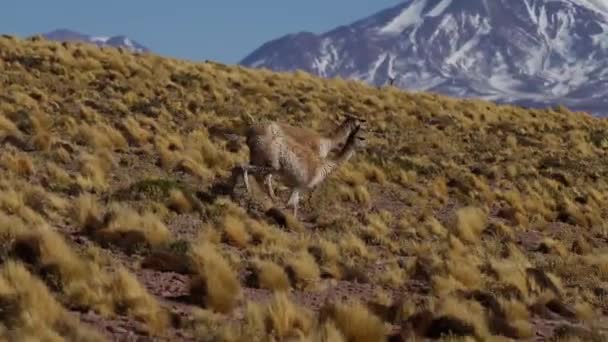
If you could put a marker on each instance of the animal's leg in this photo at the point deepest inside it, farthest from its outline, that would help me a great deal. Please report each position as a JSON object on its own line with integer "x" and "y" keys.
{"x": 268, "y": 183}
{"x": 256, "y": 170}
{"x": 293, "y": 201}
{"x": 261, "y": 180}
{"x": 246, "y": 179}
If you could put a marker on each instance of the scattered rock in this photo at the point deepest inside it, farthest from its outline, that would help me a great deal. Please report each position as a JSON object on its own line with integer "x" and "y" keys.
{"x": 487, "y": 300}
{"x": 424, "y": 324}
{"x": 128, "y": 241}
{"x": 565, "y": 331}
{"x": 561, "y": 309}
{"x": 27, "y": 249}
{"x": 423, "y": 270}
{"x": 581, "y": 246}
{"x": 542, "y": 280}
{"x": 600, "y": 291}
{"x": 166, "y": 261}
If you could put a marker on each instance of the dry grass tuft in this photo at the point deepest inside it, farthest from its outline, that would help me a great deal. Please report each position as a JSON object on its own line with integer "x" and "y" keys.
{"x": 235, "y": 232}
{"x": 130, "y": 230}
{"x": 471, "y": 222}
{"x": 303, "y": 270}
{"x": 129, "y": 295}
{"x": 19, "y": 163}
{"x": 216, "y": 286}
{"x": 468, "y": 311}
{"x": 355, "y": 322}
{"x": 179, "y": 202}
{"x": 270, "y": 275}
{"x": 285, "y": 320}
{"x": 31, "y": 312}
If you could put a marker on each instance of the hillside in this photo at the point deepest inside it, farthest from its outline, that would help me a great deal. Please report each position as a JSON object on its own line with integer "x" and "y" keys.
{"x": 459, "y": 217}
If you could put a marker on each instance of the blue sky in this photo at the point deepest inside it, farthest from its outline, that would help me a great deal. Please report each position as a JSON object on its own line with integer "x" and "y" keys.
{"x": 221, "y": 30}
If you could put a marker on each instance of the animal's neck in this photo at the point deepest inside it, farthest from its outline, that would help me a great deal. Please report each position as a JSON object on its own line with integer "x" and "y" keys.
{"x": 341, "y": 133}
{"x": 345, "y": 154}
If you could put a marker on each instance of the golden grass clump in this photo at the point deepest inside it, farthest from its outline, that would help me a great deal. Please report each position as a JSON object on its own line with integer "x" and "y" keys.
{"x": 285, "y": 319}
{"x": 136, "y": 133}
{"x": 373, "y": 173}
{"x": 58, "y": 177}
{"x": 270, "y": 275}
{"x": 31, "y": 312}
{"x": 465, "y": 269}
{"x": 356, "y": 322}
{"x": 351, "y": 176}
{"x": 86, "y": 211}
{"x": 471, "y": 221}
{"x": 129, "y": 295}
{"x": 42, "y": 124}
{"x": 100, "y": 136}
{"x": 84, "y": 282}
{"x": 351, "y": 244}
{"x": 235, "y": 231}
{"x": 8, "y": 128}
{"x": 393, "y": 276}
{"x": 216, "y": 285}
{"x": 280, "y": 319}
{"x": 518, "y": 316}
{"x": 80, "y": 280}
{"x": 179, "y": 201}
{"x": 407, "y": 177}
{"x": 93, "y": 173}
{"x": 512, "y": 274}
{"x": 147, "y": 225}
{"x": 167, "y": 148}
{"x": 468, "y": 311}
{"x": 18, "y": 163}
{"x": 303, "y": 270}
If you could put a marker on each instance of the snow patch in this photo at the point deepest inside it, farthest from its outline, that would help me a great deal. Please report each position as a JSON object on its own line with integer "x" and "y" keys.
{"x": 408, "y": 17}
{"x": 327, "y": 58}
{"x": 258, "y": 63}
{"x": 460, "y": 54}
{"x": 128, "y": 42}
{"x": 99, "y": 39}
{"x": 374, "y": 68}
{"x": 600, "y": 6}
{"x": 440, "y": 8}
{"x": 391, "y": 63}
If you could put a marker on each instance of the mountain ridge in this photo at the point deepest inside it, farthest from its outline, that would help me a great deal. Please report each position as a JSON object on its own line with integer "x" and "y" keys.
{"x": 532, "y": 53}
{"x": 122, "y": 41}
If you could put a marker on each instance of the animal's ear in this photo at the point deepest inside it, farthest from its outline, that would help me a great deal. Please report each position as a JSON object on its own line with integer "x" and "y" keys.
{"x": 355, "y": 117}
{"x": 356, "y": 130}
{"x": 335, "y": 120}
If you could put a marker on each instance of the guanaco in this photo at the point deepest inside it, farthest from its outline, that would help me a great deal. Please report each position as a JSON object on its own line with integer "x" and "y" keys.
{"x": 322, "y": 145}
{"x": 301, "y": 168}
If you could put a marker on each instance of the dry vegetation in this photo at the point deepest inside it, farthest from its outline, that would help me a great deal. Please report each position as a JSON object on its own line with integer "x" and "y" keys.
{"x": 461, "y": 219}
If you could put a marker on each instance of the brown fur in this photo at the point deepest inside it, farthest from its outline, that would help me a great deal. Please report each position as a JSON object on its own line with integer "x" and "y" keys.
{"x": 324, "y": 144}
{"x": 274, "y": 152}
{"x": 259, "y": 136}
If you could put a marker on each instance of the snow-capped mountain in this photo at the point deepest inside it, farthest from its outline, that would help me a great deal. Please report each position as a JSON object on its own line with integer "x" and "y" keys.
{"x": 528, "y": 52}
{"x": 115, "y": 41}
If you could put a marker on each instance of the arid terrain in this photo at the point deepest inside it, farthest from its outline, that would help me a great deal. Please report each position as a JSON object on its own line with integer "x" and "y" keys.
{"x": 460, "y": 220}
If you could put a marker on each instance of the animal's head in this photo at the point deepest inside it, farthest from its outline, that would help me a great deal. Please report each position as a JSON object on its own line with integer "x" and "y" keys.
{"x": 356, "y": 138}
{"x": 353, "y": 121}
